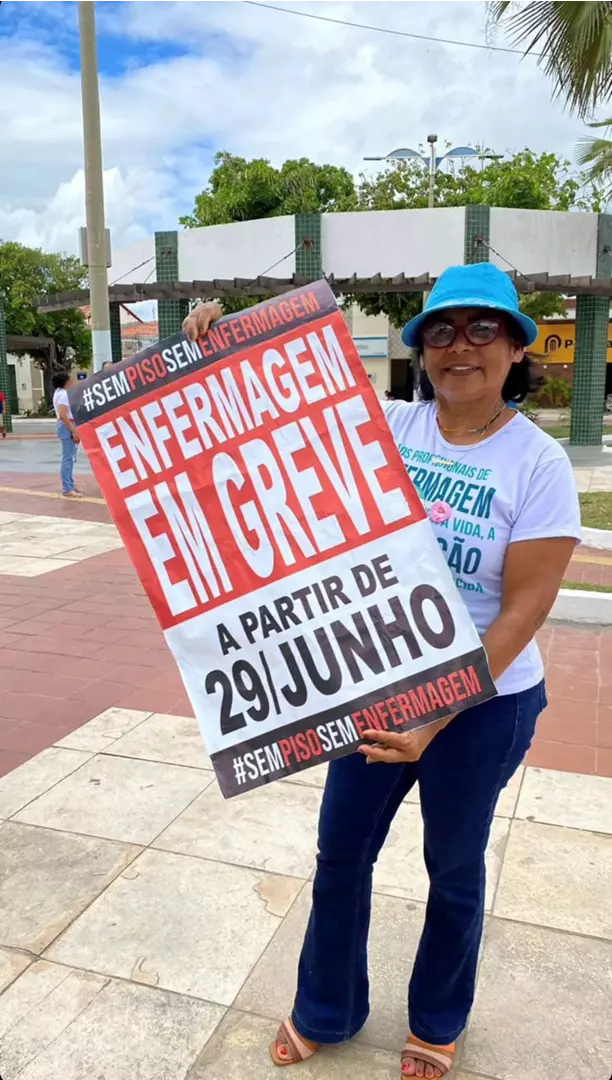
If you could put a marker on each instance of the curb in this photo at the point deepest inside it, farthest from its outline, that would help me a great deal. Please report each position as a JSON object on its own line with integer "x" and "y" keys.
{"x": 580, "y": 606}
{"x": 601, "y": 539}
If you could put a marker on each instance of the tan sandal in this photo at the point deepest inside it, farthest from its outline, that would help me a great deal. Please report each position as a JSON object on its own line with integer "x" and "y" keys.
{"x": 289, "y": 1048}
{"x": 440, "y": 1057}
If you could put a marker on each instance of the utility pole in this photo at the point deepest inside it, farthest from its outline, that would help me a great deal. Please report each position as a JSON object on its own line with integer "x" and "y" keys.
{"x": 94, "y": 188}
{"x": 433, "y": 168}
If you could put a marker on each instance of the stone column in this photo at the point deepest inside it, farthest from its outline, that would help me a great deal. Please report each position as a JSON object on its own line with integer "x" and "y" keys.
{"x": 590, "y": 355}
{"x": 477, "y": 223}
{"x": 4, "y": 374}
{"x": 170, "y": 313}
{"x": 115, "y": 332}
{"x": 308, "y": 257}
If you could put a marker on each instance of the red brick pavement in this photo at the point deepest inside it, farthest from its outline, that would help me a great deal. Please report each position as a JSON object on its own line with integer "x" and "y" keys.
{"x": 598, "y": 571}
{"x": 83, "y": 638}
{"x": 39, "y": 488}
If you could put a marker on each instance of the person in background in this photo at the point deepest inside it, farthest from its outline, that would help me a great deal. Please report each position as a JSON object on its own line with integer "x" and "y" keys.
{"x": 2, "y": 405}
{"x": 471, "y": 340}
{"x": 66, "y": 431}
{"x": 107, "y": 364}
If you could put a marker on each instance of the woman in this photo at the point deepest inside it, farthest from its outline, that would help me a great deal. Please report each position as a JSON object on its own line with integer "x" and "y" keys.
{"x": 66, "y": 431}
{"x": 478, "y": 463}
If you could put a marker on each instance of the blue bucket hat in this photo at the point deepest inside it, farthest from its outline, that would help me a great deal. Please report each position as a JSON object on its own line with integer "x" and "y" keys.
{"x": 482, "y": 285}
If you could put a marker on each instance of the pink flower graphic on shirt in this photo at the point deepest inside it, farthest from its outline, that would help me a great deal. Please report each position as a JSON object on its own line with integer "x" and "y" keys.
{"x": 439, "y": 512}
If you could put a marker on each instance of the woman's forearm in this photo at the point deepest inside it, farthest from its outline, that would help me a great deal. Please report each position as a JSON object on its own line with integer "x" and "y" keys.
{"x": 507, "y": 636}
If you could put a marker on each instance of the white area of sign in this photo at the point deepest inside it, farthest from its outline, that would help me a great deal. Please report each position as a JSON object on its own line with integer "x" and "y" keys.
{"x": 415, "y": 559}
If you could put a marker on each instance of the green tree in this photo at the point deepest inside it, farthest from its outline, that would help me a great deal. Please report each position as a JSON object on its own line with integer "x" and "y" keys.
{"x": 239, "y": 190}
{"x": 525, "y": 181}
{"x": 573, "y": 42}
{"x": 26, "y": 273}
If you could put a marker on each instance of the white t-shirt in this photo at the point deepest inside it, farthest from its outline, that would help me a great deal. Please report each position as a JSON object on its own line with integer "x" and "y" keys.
{"x": 515, "y": 485}
{"x": 60, "y": 397}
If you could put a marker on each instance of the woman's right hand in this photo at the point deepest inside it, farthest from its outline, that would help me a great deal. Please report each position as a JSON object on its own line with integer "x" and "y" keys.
{"x": 198, "y": 321}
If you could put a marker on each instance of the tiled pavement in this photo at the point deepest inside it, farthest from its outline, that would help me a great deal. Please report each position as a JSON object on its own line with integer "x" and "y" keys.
{"x": 149, "y": 930}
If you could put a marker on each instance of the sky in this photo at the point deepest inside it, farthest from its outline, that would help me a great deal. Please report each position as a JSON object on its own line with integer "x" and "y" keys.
{"x": 181, "y": 81}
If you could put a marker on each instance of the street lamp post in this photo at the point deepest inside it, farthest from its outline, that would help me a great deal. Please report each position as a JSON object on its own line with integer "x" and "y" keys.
{"x": 431, "y": 200}
{"x": 432, "y": 161}
{"x": 94, "y": 189}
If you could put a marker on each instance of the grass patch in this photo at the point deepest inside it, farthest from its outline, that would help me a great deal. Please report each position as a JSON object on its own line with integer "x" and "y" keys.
{"x": 596, "y": 509}
{"x": 557, "y": 432}
{"x": 584, "y": 586}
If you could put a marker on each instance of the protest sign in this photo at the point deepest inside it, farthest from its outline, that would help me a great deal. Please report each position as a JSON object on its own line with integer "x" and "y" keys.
{"x": 261, "y": 498}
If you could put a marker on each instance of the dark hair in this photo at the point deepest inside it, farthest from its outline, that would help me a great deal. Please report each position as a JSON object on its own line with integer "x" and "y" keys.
{"x": 522, "y": 379}
{"x": 59, "y": 380}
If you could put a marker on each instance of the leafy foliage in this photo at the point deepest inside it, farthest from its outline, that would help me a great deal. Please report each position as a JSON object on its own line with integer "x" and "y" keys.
{"x": 525, "y": 181}
{"x": 573, "y": 42}
{"x": 597, "y": 155}
{"x": 239, "y": 190}
{"x": 26, "y": 273}
{"x": 554, "y": 393}
{"x": 542, "y": 305}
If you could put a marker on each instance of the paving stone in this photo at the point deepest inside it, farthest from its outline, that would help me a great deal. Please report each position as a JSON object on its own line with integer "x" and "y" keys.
{"x": 273, "y": 828}
{"x": 239, "y": 1048}
{"x": 34, "y": 777}
{"x": 172, "y": 739}
{"x": 542, "y": 1006}
{"x": 396, "y": 928}
{"x": 28, "y": 567}
{"x": 567, "y": 799}
{"x": 12, "y": 963}
{"x": 48, "y": 878}
{"x": 400, "y": 870}
{"x": 187, "y": 925}
{"x": 75, "y": 1025}
{"x": 118, "y": 798}
{"x": 557, "y": 877}
{"x": 100, "y": 733}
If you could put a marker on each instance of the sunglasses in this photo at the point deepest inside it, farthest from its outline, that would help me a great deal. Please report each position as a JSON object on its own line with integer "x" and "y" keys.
{"x": 480, "y": 331}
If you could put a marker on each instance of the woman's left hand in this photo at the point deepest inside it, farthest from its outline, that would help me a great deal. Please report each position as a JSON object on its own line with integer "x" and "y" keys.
{"x": 401, "y": 746}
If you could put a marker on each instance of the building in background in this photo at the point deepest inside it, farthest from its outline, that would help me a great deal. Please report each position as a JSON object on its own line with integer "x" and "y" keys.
{"x": 385, "y": 357}
{"x": 555, "y": 345}
{"x": 137, "y": 335}
{"x": 27, "y": 383}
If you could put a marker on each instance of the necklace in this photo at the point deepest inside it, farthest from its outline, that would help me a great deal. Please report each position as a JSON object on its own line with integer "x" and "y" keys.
{"x": 481, "y": 431}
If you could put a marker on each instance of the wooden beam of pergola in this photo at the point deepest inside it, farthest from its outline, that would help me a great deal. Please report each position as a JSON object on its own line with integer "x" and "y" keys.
{"x": 218, "y": 288}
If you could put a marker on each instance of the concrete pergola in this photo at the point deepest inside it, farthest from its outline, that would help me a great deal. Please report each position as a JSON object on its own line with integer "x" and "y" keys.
{"x": 385, "y": 249}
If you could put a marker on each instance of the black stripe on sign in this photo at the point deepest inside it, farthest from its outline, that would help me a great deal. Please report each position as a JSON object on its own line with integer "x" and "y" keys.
{"x": 225, "y": 761}
{"x": 163, "y": 363}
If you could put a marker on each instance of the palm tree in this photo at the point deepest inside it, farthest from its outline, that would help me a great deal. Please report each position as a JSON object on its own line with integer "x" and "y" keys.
{"x": 597, "y": 155}
{"x": 573, "y": 42}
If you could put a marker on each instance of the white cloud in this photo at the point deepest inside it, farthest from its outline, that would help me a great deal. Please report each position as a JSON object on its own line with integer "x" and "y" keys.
{"x": 257, "y": 83}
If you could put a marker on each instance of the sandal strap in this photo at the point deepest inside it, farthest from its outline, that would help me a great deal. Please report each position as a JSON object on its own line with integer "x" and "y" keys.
{"x": 298, "y": 1049}
{"x": 440, "y": 1059}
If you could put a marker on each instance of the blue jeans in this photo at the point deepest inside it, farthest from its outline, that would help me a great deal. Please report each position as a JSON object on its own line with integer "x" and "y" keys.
{"x": 69, "y": 453}
{"x": 460, "y": 776}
